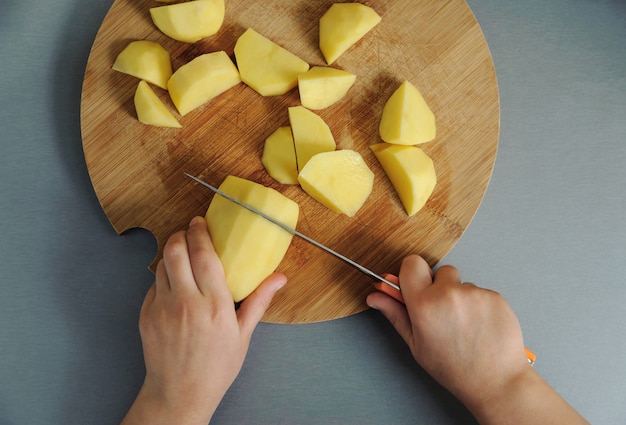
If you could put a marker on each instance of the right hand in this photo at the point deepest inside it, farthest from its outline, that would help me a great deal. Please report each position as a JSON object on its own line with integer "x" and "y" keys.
{"x": 470, "y": 341}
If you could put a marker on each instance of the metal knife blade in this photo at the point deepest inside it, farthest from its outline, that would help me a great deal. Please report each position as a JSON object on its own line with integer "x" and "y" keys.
{"x": 294, "y": 232}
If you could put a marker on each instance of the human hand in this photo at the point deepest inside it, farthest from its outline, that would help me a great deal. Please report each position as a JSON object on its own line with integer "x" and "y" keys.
{"x": 470, "y": 341}
{"x": 194, "y": 340}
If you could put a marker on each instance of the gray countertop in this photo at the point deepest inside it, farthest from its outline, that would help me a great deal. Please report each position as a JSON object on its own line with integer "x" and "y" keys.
{"x": 550, "y": 236}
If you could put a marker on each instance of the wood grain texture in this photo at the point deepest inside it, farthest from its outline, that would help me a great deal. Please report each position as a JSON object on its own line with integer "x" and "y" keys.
{"x": 137, "y": 170}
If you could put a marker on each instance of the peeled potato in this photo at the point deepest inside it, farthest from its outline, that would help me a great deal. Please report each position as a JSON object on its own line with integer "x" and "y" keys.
{"x": 249, "y": 246}
{"x": 265, "y": 66}
{"x": 279, "y": 156}
{"x": 411, "y": 171}
{"x": 340, "y": 180}
{"x": 322, "y": 86}
{"x": 202, "y": 79}
{"x": 342, "y": 26}
{"x": 311, "y": 135}
{"x": 146, "y": 60}
{"x": 189, "y": 21}
{"x": 150, "y": 109}
{"x": 406, "y": 118}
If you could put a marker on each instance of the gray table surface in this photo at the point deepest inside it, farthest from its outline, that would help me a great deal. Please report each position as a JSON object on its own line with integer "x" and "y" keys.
{"x": 550, "y": 235}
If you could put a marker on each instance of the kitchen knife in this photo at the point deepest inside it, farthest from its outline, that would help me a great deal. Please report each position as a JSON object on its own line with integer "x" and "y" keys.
{"x": 389, "y": 284}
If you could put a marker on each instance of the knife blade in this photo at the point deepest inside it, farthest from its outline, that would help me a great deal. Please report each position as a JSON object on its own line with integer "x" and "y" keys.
{"x": 389, "y": 284}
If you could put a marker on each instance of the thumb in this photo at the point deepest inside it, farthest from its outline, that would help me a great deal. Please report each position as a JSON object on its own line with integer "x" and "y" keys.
{"x": 395, "y": 313}
{"x": 253, "y": 308}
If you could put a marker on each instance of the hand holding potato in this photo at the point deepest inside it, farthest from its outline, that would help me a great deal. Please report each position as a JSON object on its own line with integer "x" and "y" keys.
{"x": 470, "y": 341}
{"x": 194, "y": 340}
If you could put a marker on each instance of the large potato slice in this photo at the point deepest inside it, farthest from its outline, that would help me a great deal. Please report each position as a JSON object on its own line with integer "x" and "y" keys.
{"x": 279, "y": 156}
{"x": 265, "y": 66}
{"x": 146, "y": 60}
{"x": 342, "y": 26}
{"x": 150, "y": 109}
{"x": 340, "y": 180}
{"x": 189, "y": 21}
{"x": 322, "y": 86}
{"x": 411, "y": 172}
{"x": 202, "y": 79}
{"x": 406, "y": 118}
{"x": 249, "y": 246}
{"x": 311, "y": 135}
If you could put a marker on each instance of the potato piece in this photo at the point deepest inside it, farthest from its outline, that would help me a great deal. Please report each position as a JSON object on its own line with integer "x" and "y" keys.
{"x": 311, "y": 134}
{"x": 189, "y": 21}
{"x": 411, "y": 172}
{"x": 265, "y": 66}
{"x": 279, "y": 156}
{"x": 249, "y": 246}
{"x": 322, "y": 86}
{"x": 150, "y": 109}
{"x": 342, "y": 26}
{"x": 202, "y": 79}
{"x": 146, "y": 60}
{"x": 406, "y": 118}
{"x": 340, "y": 180}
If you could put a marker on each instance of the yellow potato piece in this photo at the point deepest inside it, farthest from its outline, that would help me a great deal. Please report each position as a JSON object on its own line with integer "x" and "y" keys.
{"x": 311, "y": 135}
{"x": 265, "y": 66}
{"x": 279, "y": 156}
{"x": 340, "y": 180}
{"x": 202, "y": 79}
{"x": 146, "y": 60}
{"x": 150, "y": 109}
{"x": 411, "y": 172}
{"x": 406, "y": 118}
{"x": 342, "y": 26}
{"x": 322, "y": 86}
{"x": 249, "y": 246}
{"x": 189, "y": 21}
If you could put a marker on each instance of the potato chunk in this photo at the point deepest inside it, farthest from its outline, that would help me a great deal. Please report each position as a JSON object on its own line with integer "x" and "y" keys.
{"x": 411, "y": 172}
{"x": 279, "y": 156}
{"x": 265, "y": 66}
{"x": 322, "y": 86}
{"x": 202, "y": 79}
{"x": 150, "y": 109}
{"x": 249, "y": 246}
{"x": 342, "y": 26}
{"x": 146, "y": 60}
{"x": 311, "y": 135}
{"x": 189, "y": 21}
{"x": 340, "y": 180}
{"x": 406, "y": 118}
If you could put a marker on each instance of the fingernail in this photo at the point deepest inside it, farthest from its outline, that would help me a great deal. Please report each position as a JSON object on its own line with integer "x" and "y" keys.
{"x": 195, "y": 221}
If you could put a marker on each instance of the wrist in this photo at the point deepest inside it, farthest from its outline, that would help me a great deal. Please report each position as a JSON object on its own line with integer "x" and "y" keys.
{"x": 156, "y": 408}
{"x": 514, "y": 393}
{"x": 525, "y": 398}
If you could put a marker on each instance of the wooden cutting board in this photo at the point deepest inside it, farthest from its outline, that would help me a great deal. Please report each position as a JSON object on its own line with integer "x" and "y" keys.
{"x": 137, "y": 170}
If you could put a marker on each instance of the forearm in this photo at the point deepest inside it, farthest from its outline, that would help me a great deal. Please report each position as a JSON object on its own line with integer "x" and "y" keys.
{"x": 527, "y": 399}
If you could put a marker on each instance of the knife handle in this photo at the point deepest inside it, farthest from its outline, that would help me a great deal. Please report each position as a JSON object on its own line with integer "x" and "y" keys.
{"x": 397, "y": 295}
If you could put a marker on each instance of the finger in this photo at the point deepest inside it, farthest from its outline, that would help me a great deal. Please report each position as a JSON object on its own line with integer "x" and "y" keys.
{"x": 145, "y": 307}
{"x": 394, "y": 312}
{"x": 255, "y": 305}
{"x": 162, "y": 282}
{"x": 206, "y": 266}
{"x": 447, "y": 275}
{"x": 415, "y": 275}
{"x": 177, "y": 264}
{"x": 150, "y": 296}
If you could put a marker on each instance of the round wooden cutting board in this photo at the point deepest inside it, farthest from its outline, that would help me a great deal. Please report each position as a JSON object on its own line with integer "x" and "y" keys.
{"x": 137, "y": 170}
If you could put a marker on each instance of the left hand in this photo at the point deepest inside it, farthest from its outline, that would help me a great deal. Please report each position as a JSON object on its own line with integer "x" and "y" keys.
{"x": 194, "y": 340}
